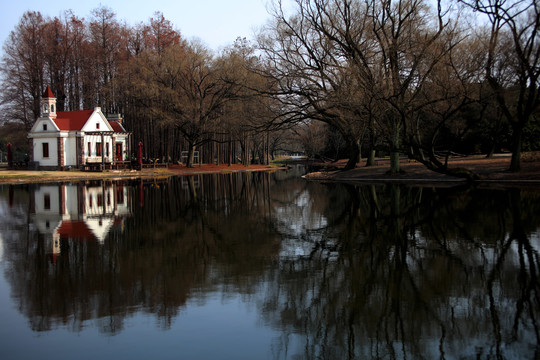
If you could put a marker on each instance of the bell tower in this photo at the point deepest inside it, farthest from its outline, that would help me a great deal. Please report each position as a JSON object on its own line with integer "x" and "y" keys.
{"x": 48, "y": 104}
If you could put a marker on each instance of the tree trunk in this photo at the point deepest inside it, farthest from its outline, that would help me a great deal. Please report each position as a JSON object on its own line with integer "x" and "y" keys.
{"x": 267, "y": 149}
{"x": 395, "y": 168}
{"x": 394, "y": 151}
{"x": 230, "y": 153}
{"x": 243, "y": 147}
{"x": 354, "y": 153}
{"x": 370, "y": 161}
{"x": 517, "y": 142}
{"x": 491, "y": 150}
{"x": 191, "y": 155}
{"x": 433, "y": 164}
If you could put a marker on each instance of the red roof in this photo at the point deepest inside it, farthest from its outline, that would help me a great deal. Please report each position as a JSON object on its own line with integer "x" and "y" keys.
{"x": 48, "y": 93}
{"x": 116, "y": 126}
{"x": 75, "y": 229}
{"x": 72, "y": 120}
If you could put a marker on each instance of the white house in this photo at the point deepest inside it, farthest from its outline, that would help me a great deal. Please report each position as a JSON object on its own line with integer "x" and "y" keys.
{"x": 78, "y": 212}
{"x": 77, "y": 139}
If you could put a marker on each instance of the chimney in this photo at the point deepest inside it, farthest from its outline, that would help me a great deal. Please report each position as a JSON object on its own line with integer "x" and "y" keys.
{"x": 115, "y": 117}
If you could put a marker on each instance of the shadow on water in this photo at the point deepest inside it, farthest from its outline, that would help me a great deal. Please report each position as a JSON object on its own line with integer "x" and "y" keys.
{"x": 342, "y": 271}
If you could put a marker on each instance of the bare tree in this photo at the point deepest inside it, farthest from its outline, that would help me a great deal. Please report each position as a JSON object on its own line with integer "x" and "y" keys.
{"x": 359, "y": 66}
{"x": 107, "y": 43}
{"x": 246, "y": 115}
{"x": 311, "y": 73}
{"x": 183, "y": 89}
{"x": 513, "y": 62}
{"x": 441, "y": 114}
{"x": 412, "y": 39}
{"x": 23, "y": 70}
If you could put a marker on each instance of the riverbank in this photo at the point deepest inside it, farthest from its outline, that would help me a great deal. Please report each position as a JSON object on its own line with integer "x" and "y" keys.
{"x": 28, "y": 176}
{"x": 492, "y": 171}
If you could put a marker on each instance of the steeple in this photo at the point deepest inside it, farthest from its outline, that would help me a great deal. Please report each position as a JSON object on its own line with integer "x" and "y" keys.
{"x": 48, "y": 103}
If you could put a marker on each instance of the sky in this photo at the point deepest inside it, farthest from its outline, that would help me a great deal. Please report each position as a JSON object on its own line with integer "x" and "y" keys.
{"x": 217, "y": 23}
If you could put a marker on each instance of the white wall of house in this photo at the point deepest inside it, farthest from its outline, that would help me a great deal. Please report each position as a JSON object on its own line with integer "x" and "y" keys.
{"x": 122, "y": 201}
{"x": 47, "y": 215}
{"x": 97, "y": 122}
{"x": 44, "y": 125}
{"x": 96, "y": 130}
{"x": 45, "y": 131}
{"x": 57, "y": 203}
{"x": 94, "y": 201}
{"x": 47, "y": 200}
{"x": 70, "y": 151}
{"x": 52, "y": 159}
{"x": 71, "y": 202}
{"x": 100, "y": 227}
{"x": 92, "y": 154}
{"x": 123, "y": 139}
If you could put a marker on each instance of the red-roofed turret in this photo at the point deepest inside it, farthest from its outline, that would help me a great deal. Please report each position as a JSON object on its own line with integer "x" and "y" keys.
{"x": 48, "y": 94}
{"x": 48, "y": 103}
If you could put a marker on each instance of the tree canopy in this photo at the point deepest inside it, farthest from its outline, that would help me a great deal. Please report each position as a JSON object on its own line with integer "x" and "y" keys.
{"x": 393, "y": 77}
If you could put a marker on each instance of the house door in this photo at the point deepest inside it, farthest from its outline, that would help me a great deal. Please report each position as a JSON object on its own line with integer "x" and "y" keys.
{"x": 119, "y": 152}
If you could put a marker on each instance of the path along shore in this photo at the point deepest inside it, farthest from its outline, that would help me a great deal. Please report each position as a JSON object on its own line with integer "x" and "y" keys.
{"x": 492, "y": 171}
{"x": 37, "y": 176}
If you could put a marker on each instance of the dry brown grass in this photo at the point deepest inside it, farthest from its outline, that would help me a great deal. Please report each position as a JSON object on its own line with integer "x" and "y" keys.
{"x": 489, "y": 169}
{"x": 22, "y": 176}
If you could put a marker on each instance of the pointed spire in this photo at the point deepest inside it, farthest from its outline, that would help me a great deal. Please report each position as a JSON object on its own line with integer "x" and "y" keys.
{"x": 48, "y": 94}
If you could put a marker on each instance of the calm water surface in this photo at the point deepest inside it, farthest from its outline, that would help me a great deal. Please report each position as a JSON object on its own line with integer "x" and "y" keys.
{"x": 267, "y": 266}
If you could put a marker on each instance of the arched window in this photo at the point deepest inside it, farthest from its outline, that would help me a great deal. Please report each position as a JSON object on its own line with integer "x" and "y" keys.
{"x": 52, "y": 108}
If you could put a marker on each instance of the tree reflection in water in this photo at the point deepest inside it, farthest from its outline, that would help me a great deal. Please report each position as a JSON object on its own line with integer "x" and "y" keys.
{"x": 348, "y": 271}
{"x": 414, "y": 272}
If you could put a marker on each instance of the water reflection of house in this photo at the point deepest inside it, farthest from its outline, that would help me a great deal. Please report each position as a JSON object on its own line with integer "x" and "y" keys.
{"x": 78, "y": 212}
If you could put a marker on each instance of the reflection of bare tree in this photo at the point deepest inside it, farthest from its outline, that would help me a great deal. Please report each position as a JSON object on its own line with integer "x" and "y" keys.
{"x": 186, "y": 232}
{"x": 516, "y": 255}
{"x": 411, "y": 278}
{"x": 344, "y": 271}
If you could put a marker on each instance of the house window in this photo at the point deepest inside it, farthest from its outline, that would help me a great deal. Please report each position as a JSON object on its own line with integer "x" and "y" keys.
{"x": 97, "y": 126}
{"x": 47, "y": 202}
{"x": 52, "y": 108}
{"x": 119, "y": 155}
{"x": 89, "y": 148}
{"x": 98, "y": 149}
{"x": 45, "y": 147}
{"x": 45, "y": 108}
{"x": 44, "y": 127}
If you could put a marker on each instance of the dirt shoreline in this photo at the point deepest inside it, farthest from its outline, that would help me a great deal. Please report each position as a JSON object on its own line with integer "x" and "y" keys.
{"x": 9, "y": 176}
{"x": 492, "y": 172}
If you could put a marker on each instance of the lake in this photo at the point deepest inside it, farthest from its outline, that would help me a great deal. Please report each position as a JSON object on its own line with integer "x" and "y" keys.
{"x": 267, "y": 266}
